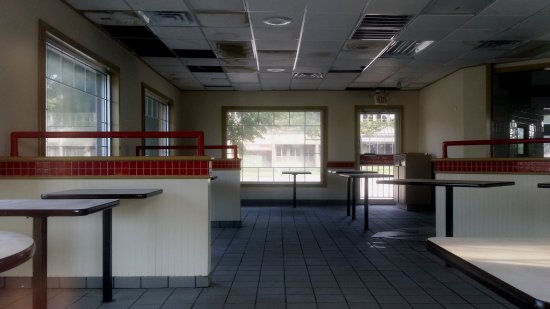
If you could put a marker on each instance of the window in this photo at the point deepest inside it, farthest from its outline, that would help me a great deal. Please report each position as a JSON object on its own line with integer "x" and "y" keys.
{"x": 273, "y": 140}
{"x": 77, "y": 99}
{"x": 156, "y": 118}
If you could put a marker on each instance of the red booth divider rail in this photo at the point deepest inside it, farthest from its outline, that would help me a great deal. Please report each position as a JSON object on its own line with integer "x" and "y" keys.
{"x": 446, "y": 144}
{"x": 15, "y": 136}
{"x": 140, "y": 150}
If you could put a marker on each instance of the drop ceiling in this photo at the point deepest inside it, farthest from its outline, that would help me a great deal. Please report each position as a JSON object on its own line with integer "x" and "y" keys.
{"x": 252, "y": 45}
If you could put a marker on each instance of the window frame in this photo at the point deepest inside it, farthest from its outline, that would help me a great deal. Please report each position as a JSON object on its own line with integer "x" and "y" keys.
{"x": 145, "y": 89}
{"x": 324, "y": 139}
{"x": 47, "y": 33}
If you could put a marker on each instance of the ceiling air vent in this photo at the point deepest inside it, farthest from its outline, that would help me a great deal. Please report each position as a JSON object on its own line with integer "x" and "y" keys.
{"x": 166, "y": 19}
{"x": 405, "y": 49}
{"x": 380, "y": 27}
{"x": 498, "y": 44}
{"x": 303, "y": 75}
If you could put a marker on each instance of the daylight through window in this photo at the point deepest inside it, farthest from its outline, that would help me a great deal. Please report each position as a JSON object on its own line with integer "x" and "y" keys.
{"x": 77, "y": 99}
{"x": 273, "y": 141}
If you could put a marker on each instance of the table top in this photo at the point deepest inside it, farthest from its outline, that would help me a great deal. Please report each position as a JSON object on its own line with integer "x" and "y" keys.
{"x": 102, "y": 194}
{"x": 340, "y": 171}
{"x": 296, "y": 172}
{"x": 544, "y": 185}
{"x": 520, "y": 263}
{"x": 448, "y": 183}
{"x": 364, "y": 175}
{"x": 51, "y": 208}
{"x": 15, "y": 249}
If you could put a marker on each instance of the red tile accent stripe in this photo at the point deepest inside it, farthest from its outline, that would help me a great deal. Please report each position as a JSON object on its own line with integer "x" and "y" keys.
{"x": 492, "y": 166}
{"x": 226, "y": 164}
{"x": 76, "y": 168}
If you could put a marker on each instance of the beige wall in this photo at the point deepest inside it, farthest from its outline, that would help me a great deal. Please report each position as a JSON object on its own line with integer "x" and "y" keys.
{"x": 19, "y": 65}
{"x": 202, "y": 111}
{"x": 455, "y": 108}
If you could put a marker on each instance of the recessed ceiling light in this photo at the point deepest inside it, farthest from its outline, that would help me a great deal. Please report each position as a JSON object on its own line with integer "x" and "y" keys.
{"x": 275, "y": 70}
{"x": 277, "y": 21}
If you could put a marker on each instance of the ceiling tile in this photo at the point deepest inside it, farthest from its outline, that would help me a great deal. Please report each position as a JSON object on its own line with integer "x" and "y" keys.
{"x": 370, "y": 76}
{"x": 243, "y": 77}
{"x": 316, "y": 33}
{"x": 312, "y": 69}
{"x": 279, "y": 5}
{"x": 456, "y": 6}
{"x": 186, "y": 44}
{"x": 238, "y": 62}
{"x": 514, "y": 7}
{"x": 212, "y": 79}
{"x": 154, "y": 61}
{"x": 130, "y": 32}
{"x": 490, "y": 22}
{"x": 181, "y": 69}
{"x": 194, "y": 53}
{"x": 431, "y": 27}
{"x": 205, "y": 69}
{"x": 247, "y": 87}
{"x": 333, "y": 19}
{"x": 114, "y": 18}
{"x": 395, "y": 7}
{"x": 347, "y": 77}
{"x": 228, "y": 34}
{"x": 276, "y": 44}
{"x": 240, "y": 69}
{"x": 147, "y": 47}
{"x": 217, "y": 5}
{"x": 169, "y": 19}
{"x": 277, "y": 34}
{"x": 178, "y": 33}
{"x": 320, "y": 46}
{"x": 157, "y": 5}
{"x": 271, "y": 76}
{"x": 471, "y": 35}
{"x": 200, "y": 62}
{"x": 337, "y": 6}
{"x": 99, "y": 5}
{"x": 218, "y": 88}
{"x": 223, "y": 19}
{"x": 234, "y": 50}
{"x": 267, "y": 55}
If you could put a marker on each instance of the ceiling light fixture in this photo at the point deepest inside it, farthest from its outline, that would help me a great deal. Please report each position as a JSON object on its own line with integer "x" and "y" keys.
{"x": 277, "y": 21}
{"x": 275, "y": 70}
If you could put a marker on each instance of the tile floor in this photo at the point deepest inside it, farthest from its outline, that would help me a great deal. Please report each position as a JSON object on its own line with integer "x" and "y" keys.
{"x": 308, "y": 257}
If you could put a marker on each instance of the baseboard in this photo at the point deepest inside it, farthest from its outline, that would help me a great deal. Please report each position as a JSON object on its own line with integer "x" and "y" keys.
{"x": 225, "y": 224}
{"x": 287, "y": 202}
{"x": 145, "y": 282}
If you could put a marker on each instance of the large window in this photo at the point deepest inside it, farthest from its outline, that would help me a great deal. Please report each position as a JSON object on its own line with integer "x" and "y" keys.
{"x": 273, "y": 140}
{"x": 156, "y": 118}
{"x": 77, "y": 99}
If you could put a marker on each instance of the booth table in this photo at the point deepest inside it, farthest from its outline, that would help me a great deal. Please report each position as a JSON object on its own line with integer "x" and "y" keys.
{"x": 40, "y": 210}
{"x": 294, "y": 173}
{"x": 351, "y": 187}
{"x": 107, "y": 217}
{"x": 516, "y": 268}
{"x": 449, "y": 185}
{"x": 15, "y": 249}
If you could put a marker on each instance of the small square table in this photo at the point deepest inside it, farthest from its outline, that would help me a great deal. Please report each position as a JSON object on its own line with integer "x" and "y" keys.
{"x": 351, "y": 183}
{"x": 40, "y": 210}
{"x": 449, "y": 184}
{"x": 107, "y": 217}
{"x": 294, "y": 173}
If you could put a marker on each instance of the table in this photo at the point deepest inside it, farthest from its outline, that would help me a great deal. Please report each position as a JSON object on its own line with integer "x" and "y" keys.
{"x": 349, "y": 181}
{"x": 40, "y": 210}
{"x": 449, "y": 185}
{"x": 545, "y": 185}
{"x": 107, "y": 217}
{"x": 516, "y": 268}
{"x": 15, "y": 249}
{"x": 294, "y": 173}
{"x": 351, "y": 191}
